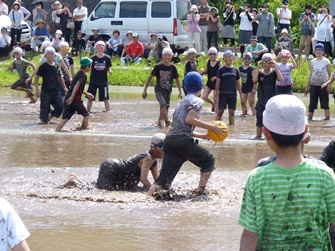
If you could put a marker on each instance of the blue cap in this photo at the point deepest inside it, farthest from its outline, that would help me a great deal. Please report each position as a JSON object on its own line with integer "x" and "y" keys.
{"x": 228, "y": 52}
{"x": 193, "y": 82}
{"x": 319, "y": 46}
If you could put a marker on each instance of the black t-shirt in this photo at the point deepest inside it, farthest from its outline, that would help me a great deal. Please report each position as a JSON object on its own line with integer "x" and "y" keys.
{"x": 228, "y": 77}
{"x": 164, "y": 76}
{"x": 246, "y": 75}
{"x": 81, "y": 77}
{"x": 191, "y": 66}
{"x": 50, "y": 74}
{"x": 100, "y": 68}
{"x": 212, "y": 71}
{"x": 266, "y": 87}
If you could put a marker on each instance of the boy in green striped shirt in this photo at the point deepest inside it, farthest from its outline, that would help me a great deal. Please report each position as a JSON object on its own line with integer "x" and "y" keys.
{"x": 289, "y": 203}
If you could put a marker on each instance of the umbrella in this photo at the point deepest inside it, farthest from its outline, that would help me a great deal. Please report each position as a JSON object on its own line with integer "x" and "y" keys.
{"x": 38, "y": 1}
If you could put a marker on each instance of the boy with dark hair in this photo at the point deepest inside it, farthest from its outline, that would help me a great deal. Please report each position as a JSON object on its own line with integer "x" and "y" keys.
{"x": 73, "y": 102}
{"x": 180, "y": 146}
{"x": 289, "y": 203}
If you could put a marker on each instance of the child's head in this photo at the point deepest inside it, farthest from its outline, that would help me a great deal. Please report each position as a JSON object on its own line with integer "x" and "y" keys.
{"x": 17, "y": 52}
{"x": 3, "y": 31}
{"x": 45, "y": 44}
{"x": 85, "y": 64}
{"x": 95, "y": 31}
{"x": 64, "y": 47}
{"x": 228, "y": 57}
{"x": 100, "y": 46}
{"x": 192, "y": 54}
{"x": 284, "y": 32}
{"x": 167, "y": 54}
{"x": 156, "y": 146}
{"x": 247, "y": 58}
{"x": 253, "y": 40}
{"x": 49, "y": 54}
{"x": 284, "y": 56}
{"x": 58, "y": 34}
{"x": 116, "y": 33}
{"x": 285, "y": 118}
{"x": 193, "y": 83}
{"x": 212, "y": 53}
{"x": 319, "y": 49}
{"x": 267, "y": 61}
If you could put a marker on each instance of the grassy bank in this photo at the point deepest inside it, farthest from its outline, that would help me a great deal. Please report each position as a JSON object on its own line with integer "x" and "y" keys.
{"x": 137, "y": 75}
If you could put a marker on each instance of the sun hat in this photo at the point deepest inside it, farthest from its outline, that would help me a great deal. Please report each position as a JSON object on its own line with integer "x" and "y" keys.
{"x": 95, "y": 29}
{"x": 66, "y": 4}
{"x": 191, "y": 51}
{"x": 193, "y": 7}
{"x": 167, "y": 51}
{"x": 49, "y": 49}
{"x": 284, "y": 31}
{"x": 285, "y": 115}
{"x": 157, "y": 139}
{"x": 59, "y": 32}
{"x": 319, "y": 46}
{"x": 18, "y": 50}
{"x": 40, "y": 21}
{"x": 99, "y": 43}
{"x": 265, "y": 5}
{"x": 46, "y": 44}
{"x": 193, "y": 82}
{"x": 228, "y": 52}
{"x": 55, "y": 3}
{"x": 153, "y": 34}
{"x": 212, "y": 50}
{"x": 129, "y": 32}
{"x": 267, "y": 56}
{"x": 85, "y": 61}
{"x": 253, "y": 38}
{"x": 254, "y": 9}
{"x": 160, "y": 36}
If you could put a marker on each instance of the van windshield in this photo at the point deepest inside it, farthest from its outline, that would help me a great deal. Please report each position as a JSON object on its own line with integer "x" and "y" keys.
{"x": 182, "y": 9}
{"x": 105, "y": 10}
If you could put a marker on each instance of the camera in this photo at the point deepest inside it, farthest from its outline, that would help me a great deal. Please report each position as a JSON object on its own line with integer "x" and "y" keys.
{"x": 228, "y": 6}
{"x": 195, "y": 11}
{"x": 261, "y": 9}
{"x": 242, "y": 8}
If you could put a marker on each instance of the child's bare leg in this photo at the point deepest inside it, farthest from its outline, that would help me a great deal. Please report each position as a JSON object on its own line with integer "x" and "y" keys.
{"x": 61, "y": 124}
{"x": 219, "y": 114}
{"x": 72, "y": 180}
{"x": 244, "y": 98}
{"x": 231, "y": 114}
{"x": 107, "y": 105}
{"x": 251, "y": 99}
{"x": 204, "y": 177}
{"x": 205, "y": 96}
{"x": 89, "y": 105}
{"x": 84, "y": 124}
{"x": 327, "y": 114}
{"x": 163, "y": 113}
{"x": 310, "y": 115}
{"x": 258, "y": 132}
{"x": 154, "y": 188}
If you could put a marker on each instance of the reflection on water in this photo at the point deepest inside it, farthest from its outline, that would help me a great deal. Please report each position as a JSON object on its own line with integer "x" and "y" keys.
{"x": 35, "y": 160}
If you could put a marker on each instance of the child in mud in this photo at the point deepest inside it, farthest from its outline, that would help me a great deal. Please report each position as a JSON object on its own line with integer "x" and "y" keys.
{"x": 100, "y": 66}
{"x": 165, "y": 73}
{"x": 21, "y": 65}
{"x": 227, "y": 82}
{"x": 191, "y": 64}
{"x": 126, "y": 174}
{"x": 212, "y": 67}
{"x": 50, "y": 94}
{"x": 289, "y": 203}
{"x": 64, "y": 49}
{"x": 73, "y": 102}
{"x": 180, "y": 146}
{"x": 266, "y": 80}
{"x": 285, "y": 68}
{"x": 248, "y": 87}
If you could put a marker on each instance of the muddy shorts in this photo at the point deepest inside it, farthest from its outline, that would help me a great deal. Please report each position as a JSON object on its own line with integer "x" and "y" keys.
{"x": 103, "y": 91}
{"x": 178, "y": 150}
{"x": 227, "y": 99}
{"x": 317, "y": 93}
{"x": 111, "y": 178}
{"x": 76, "y": 106}
{"x": 163, "y": 98}
{"x": 21, "y": 83}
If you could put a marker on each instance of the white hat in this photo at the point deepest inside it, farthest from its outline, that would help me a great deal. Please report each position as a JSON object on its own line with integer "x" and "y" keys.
{"x": 247, "y": 54}
{"x": 285, "y": 115}
{"x": 64, "y": 44}
{"x": 285, "y": 52}
{"x": 267, "y": 56}
{"x": 18, "y": 50}
{"x": 59, "y": 32}
{"x": 191, "y": 51}
{"x": 49, "y": 49}
{"x": 212, "y": 50}
{"x": 157, "y": 139}
{"x": 167, "y": 51}
{"x": 135, "y": 34}
{"x": 284, "y": 31}
{"x": 46, "y": 43}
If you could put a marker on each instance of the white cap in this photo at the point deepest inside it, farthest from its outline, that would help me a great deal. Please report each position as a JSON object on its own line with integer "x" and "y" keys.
{"x": 49, "y": 49}
{"x": 284, "y": 31}
{"x": 212, "y": 50}
{"x": 247, "y": 54}
{"x": 191, "y": 51}
{"x": 285, "y": 52}
{"x": 157, "y": 138}
{"x": 285, "y": 115}
{"x": 267, "y": 56}
{"x": 64, "y": 44}
{"x": 46, "y": 44}
{"x": 167, "y": 51}
{"x": 18, "y": 50}
{"x": 59, "y": 32}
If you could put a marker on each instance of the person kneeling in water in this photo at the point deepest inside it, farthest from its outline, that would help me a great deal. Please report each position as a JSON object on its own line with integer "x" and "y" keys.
{"x": 125, "y": 174}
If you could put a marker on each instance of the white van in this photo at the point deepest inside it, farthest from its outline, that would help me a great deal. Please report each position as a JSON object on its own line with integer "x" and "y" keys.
{"x": 166, "y": 17}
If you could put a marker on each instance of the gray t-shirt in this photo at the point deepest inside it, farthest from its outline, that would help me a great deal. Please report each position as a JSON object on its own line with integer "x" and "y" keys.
{"x": 179, "y": 126}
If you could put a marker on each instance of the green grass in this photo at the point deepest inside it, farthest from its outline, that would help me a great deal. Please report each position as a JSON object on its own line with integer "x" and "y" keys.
{"x": 137, "y": 75}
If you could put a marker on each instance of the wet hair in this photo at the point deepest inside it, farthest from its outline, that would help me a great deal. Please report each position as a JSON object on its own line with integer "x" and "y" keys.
{"x": 116, "y": 31}
{"x": 286, "y": 141}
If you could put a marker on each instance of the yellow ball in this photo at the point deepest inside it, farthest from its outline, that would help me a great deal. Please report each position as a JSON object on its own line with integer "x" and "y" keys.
{"x": 218, "y": 137}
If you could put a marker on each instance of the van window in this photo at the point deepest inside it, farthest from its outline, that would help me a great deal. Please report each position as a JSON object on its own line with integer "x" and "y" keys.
{"x": 182, "y": 9}
{"x": 133, "y": 9}
{"x": 105, "y": 10}
{"x": 161, "y": 9}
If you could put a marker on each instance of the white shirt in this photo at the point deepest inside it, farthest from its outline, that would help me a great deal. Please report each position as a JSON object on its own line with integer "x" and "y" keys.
{"x": 12, "y": 229}
{"x": 245, "y": 24}
{"x": 54, "y": 17}
{"x": 3, "y": 42}
{"x": 4, "y": 7}
{"x": 319, "y": 73}
{"x": 285, "y": 13}
{"x": 82, "y": 10}
{"x": 323, "y": 31}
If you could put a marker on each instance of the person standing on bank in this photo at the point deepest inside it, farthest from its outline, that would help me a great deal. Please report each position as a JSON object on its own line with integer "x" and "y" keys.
{"x": 246, "y": 19}
{"x": 203, "y": 23}
{"x": 323, "y": 33}
{"x": 265, "y": 31}
{"x": 284, "y": 16}
{"x": 213, "y": 28}
{"x": 228, "y": 29}
{"x": 16, "y": 17}
{"x": 193, "y": 29}
{"x": 65, "y": 15}
{"x": 306, "y": 20}
{"x": 79, "y": 15}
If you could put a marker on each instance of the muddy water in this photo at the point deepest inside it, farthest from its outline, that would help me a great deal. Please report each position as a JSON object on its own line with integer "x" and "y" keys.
{"x": 35, "y": 160}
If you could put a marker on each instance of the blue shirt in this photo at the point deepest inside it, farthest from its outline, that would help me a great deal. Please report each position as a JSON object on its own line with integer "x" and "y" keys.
{"x": 41, "y": 32}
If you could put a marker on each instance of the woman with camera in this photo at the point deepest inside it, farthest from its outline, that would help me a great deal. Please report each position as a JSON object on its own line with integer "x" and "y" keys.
{"x": 306, "y": 20}
{"x": 323, "y": 32}
{"x": 65, "y": 16}
{"x": 213, "y": 27}
{"x": 193, "y": 29}
{"x": 246, "y": 20}
{"x": 228, "y": 29}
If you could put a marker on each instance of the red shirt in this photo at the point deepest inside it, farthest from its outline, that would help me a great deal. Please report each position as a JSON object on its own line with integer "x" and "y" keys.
{"x": 135, "y": 49}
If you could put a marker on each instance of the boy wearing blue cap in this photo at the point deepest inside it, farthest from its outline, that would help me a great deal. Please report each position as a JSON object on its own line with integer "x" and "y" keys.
{"x": 73, "y": 102}
{"x": 319, "y": 74}
{"x": 179, "y": 145}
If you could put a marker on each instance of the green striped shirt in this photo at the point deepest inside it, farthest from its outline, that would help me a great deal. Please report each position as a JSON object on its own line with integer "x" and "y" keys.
{"x": 290, "y": 209}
